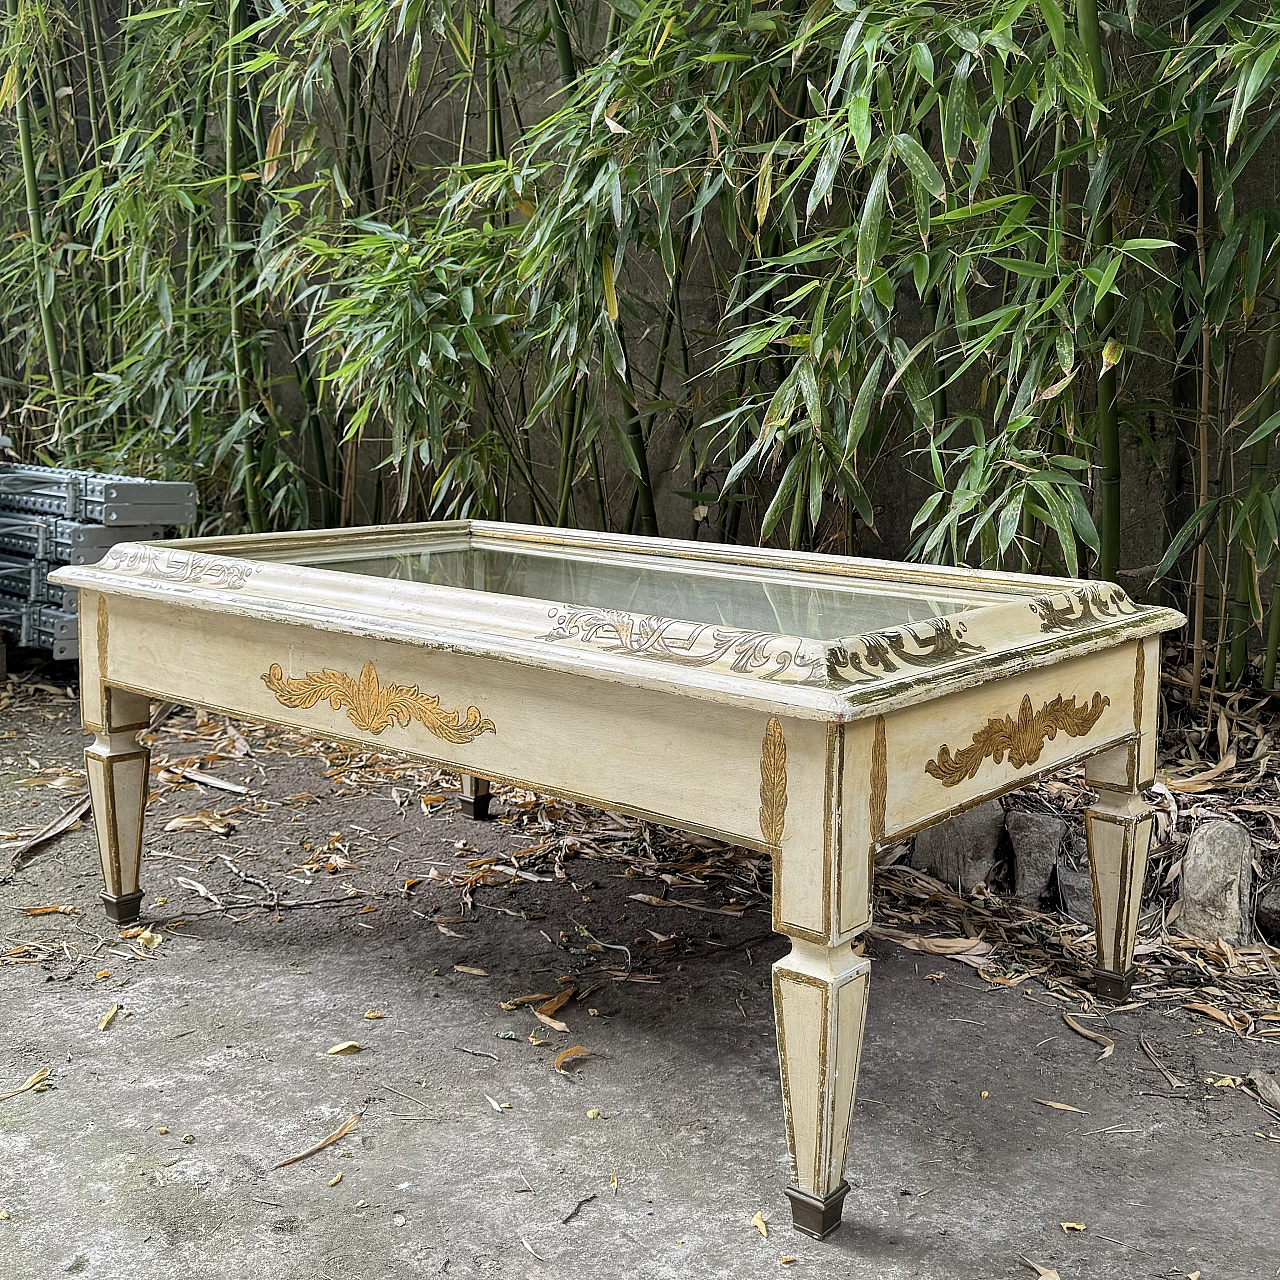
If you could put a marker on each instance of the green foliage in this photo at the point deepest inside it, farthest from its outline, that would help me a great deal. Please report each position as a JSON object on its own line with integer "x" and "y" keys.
{"x": 496, "y": 257}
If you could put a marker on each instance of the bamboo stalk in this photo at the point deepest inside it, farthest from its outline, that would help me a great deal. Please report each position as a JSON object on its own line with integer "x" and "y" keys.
{"x": 41, "y": 260}
{"x": 1202, "y": 494}
{"x": 1273, "y": 643}
{"x": 493, "y": 113}
{"x": 568, "y": 454}
{"x": 1107, "y": 419}
{"x": 646, "y": 513}
{"x": 1242, "y": 621}
{"x": 231, "y": 135}
{"x": 313, "y": 423}
{"x": 564, "y": 48}
{"x": 99, "y": 53}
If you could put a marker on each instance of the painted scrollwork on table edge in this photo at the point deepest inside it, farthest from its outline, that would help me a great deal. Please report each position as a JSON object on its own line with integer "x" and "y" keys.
{"x": 174, "y": 565}
{"x": 372, "y": 706}
{"x": 773, "y": 783}
{"x": 760, "y": 654}
{"x": 922, "y": 645}
{"x": 1095, "y": 603}
{"x": 1022, "y": 739}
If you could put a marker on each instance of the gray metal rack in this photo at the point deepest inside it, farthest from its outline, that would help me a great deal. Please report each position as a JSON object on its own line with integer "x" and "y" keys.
{"x": 29, "y": 581}
{"x": 37, "y": 626}
{"x": 51, "y": 516}
{"x": 95, "y": 499}
{"x": 44, "y": 537}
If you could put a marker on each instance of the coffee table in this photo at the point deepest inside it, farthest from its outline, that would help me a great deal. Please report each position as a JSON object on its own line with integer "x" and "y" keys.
{"x": 812, "y": 707}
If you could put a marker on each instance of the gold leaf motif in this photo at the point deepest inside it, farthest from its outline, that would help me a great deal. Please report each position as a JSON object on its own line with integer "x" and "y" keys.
{"x": 373, "y": 707}
{"x": 1139, "y": 679}
{"x": 1023, "y": 739}
{"x": 773, "y": 782}
{"x": 879, "y": 780}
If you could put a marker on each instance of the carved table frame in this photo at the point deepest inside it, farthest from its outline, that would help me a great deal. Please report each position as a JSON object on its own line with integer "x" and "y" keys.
{"x": 818, "y": 755}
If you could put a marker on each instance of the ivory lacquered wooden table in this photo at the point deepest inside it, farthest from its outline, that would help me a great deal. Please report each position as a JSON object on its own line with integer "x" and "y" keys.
{"x": 810, "y": 706}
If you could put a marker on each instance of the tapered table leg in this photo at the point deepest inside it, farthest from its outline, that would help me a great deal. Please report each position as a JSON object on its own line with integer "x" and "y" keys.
{"x": 117, "y": 767}
{"x": 820, "y": 1001}
{"x": 1118, "y": 828}
{"x": 475, "y": 797}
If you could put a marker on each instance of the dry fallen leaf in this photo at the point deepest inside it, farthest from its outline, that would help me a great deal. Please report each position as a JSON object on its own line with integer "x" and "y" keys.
{"x": 1071, "y": 1226}
{"x": 198, "y": 889}
{"x": 1045, "y": 1273}
{"x": 556, "y": 1003}
{"x": 29, "y": 1083}
{"x": 52, "y": 909}
{"x": 1108, "y": 1045}
{"x": 1059, "y": 1106}
{"x": 1211, "y": 1011}
{"x": 574, "y": 1054}
{"x": 550, "y": 1022}
{"x": 105, "y": 1021}
{"x": 372, "y": 1015}
{"x": 202, "y": 821}
{"x": 340, "y": 1132}
{"x": 467, "y": 968}
{"x": 760, "y": 1224}
{"x": 333, "y": 1182}
{"x": 347, "y": 1046}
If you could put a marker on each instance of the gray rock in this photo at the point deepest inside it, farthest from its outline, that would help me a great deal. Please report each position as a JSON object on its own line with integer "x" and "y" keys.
{"x": 1075, "y": 883}
{"x": 1217, "y": 878}
{"x": 961, "y": 850}
{"x": 1268, "y": 916}
{"x": 1036, "y": 839}
{"x": 1265, "y": 1086}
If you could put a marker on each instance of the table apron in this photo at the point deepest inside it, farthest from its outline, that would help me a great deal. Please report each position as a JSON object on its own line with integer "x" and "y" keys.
{"x": 820, "y": 797}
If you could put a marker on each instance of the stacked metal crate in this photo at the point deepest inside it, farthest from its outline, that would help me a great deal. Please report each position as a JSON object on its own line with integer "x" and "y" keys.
{"x": 51, "y": 516}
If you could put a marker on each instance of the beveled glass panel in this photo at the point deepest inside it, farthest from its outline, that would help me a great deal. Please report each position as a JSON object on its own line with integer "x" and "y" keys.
{"x": 822, "y": 607}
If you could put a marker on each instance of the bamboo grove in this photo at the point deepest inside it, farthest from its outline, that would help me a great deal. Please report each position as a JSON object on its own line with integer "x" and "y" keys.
{"x": 391, "y": 259}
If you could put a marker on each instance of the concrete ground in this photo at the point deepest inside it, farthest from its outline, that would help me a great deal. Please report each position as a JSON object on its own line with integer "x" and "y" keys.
{"x": 151, "y": 1151}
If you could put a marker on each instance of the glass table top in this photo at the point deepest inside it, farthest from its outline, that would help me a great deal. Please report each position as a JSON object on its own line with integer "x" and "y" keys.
{"x": 816, "y": 606}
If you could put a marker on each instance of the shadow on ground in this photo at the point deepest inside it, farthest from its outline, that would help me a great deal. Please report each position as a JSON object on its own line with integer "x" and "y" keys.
{"x": 152, "y": 1152}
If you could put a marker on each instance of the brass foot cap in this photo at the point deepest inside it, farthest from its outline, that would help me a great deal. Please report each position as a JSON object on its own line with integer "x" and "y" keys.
{"x": 123, "y": 908}
{"x": 1113, "y": 986}
{"x": 816, "y": 1217}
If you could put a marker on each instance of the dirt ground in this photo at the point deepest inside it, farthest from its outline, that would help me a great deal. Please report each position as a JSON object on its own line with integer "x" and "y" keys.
{"x": 151, "y": 1147}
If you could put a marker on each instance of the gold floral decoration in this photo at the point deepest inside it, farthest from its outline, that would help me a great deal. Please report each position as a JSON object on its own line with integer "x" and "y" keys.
{"x": 773, "y": 782}
{"x": 372, "y": 706}
{"x": 1022, "y": 739}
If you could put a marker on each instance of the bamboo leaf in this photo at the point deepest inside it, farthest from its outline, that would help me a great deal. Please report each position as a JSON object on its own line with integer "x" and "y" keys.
{"x": 869, "y": 224}
{"x": 922, "y": 168}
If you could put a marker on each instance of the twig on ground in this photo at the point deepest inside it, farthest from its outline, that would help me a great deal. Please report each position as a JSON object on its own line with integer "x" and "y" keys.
{"x": 340, "y": 1132}
{"x": 573, "y": 1213}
